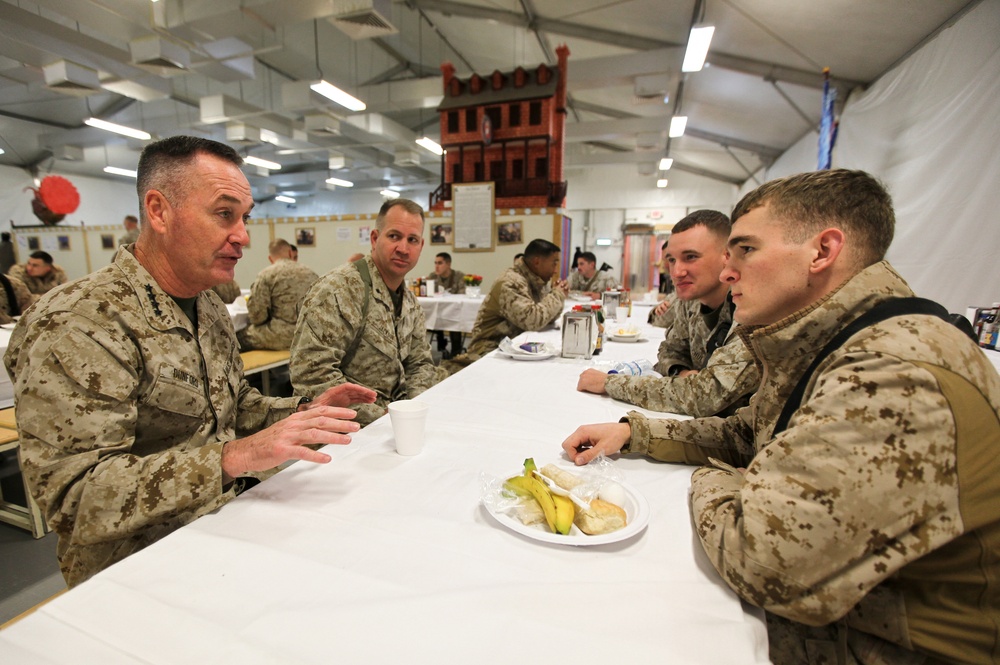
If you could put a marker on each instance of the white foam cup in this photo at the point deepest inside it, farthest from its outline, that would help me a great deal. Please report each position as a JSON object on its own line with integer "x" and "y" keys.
{"x": 409, "y": 420}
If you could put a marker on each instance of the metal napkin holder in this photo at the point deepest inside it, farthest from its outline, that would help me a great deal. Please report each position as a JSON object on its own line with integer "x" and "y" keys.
{"x": 579, "y": 334}
{"x": 611, "y": 300}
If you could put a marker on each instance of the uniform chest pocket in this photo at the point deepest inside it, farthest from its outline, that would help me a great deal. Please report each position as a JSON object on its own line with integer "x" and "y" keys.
{"x": 177, "y": 392}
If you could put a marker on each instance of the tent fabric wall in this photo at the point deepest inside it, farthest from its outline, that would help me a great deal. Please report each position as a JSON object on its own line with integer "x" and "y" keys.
{"x": 928, "y": 129}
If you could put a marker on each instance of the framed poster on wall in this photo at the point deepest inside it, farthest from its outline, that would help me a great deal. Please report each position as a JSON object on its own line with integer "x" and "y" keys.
{"x": 472, "y": 216}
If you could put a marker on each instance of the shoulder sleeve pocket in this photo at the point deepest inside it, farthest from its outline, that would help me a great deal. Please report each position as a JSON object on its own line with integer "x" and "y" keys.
{"x": 93, "y": 367}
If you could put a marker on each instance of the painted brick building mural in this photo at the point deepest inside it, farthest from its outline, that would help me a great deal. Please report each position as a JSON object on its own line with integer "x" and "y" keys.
{"x": 508, "y": 128}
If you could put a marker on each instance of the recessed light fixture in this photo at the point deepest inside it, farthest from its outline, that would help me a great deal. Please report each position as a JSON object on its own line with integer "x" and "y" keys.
{"x": 263, "y": 163}
{"x": 335, "y": 94}
{"x": 661, "y": 183}
{"x": 117, "y": 129}
{"x": 117, "y": 171}
{"x": 666, "y": 163}
{"x": 389, "y": 193}
{"x": 603, "y": 242}
{"x": 697, "y": 49}
{"x": 339, "y": 183}
{"x": 430, "y": 144}
{"x": 284, "y": 199}
{"x": 677, "y": 125}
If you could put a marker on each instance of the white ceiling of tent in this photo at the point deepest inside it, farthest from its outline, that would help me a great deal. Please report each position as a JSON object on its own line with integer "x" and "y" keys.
{"x": 251, "y": 61}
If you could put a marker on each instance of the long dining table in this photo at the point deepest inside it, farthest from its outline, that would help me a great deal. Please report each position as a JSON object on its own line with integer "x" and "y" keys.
{"x": 380, "y": 558}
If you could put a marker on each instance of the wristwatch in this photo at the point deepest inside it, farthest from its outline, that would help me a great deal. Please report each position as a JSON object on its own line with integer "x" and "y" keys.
{"x": 303, "y": 401}
{"x": 675, "y": 370}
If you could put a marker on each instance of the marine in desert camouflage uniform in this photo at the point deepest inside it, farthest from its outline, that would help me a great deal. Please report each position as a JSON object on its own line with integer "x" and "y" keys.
{"x": 21, "y": 302}
{"x": 521, "y": 299}
{"x": 587, "y": 279}
{"x": 129, "y": 387}
{"x": 131, "y": 234}
{"x": 275, "y": 299}
{"x": 867, "y": 529}
{"x": 39, "y": 274}
{"x": 386, "y": 351}
{"x": 706, "y": 368}
{"x": 450, "y": 281}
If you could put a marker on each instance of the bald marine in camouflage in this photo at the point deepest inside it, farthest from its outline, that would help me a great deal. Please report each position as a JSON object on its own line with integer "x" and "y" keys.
{"x": 386, "y": 349}
{"x": 275, "y": 299}
{"x": 133, "y": 412}
{"x": 868, "y": 528}
{"x": 521, "y": 299}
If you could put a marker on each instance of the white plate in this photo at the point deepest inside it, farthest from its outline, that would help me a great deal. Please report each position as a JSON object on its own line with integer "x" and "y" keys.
{"x": 636, "y": 512}
{"x": 8, "y": 326}
{"x": 625, "y": 338}
{"x": 580, "y": 297}
{"x": 526, "y": 356}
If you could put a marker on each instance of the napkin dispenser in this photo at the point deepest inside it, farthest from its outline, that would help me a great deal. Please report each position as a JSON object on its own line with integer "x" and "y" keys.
{"x": 579, "y": 334}
{"x": 611, "y": 300}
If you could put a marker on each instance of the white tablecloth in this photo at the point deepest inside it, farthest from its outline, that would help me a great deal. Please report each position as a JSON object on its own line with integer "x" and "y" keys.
{"x": 239, "y": 313}
{"x": 378, "y": 558}
{"x": 451, "y": 312}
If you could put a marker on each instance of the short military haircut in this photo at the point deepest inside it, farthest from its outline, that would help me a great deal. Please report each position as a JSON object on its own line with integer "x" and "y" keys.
{"x": 713, "y": 220}
{"x": 589, "y": 257}
{"x": 45, "y": 257}
{"x": 279, "y": 247}
{"x": 132, "y": 218}
{"x": 853, "y": 201}
{"x": 409, "y": 206}
{"x": 444, "y": 255}
{"x": 161, "y": 164}
{"x": 539, "y": 247}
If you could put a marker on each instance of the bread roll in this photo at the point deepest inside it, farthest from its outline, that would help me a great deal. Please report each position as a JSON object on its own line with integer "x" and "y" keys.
{"x": 601, "y": 517}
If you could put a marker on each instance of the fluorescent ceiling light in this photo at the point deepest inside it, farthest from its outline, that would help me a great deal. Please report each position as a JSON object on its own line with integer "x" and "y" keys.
{"x": 267, "y": 136}
{"x": 677, "y": 125}
{"x": 389, "y": 194}
{"x": 430, "y": 144}
{"x": 2, "y": 151}
{"x": 697, "y": 48}
{"x": 339, "y": 182}
{"x": 666, "y": 163}
{"x": 335, "y": 94}
{"x": 661, "y": 183}
{"x": 604, "y": 242}
{"x": 284, "y": 199}
{"x": 117, "y": 171}
{"x": 257, "y": 161}
{"x": 118, "y": 129}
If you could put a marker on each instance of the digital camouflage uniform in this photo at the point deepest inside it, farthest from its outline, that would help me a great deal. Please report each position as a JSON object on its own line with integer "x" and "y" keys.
{"x": 39, "y": 285}
{"x": 666, "y": 319}
{"x": 275, "y": 298}
{"x": 123, "y": 410}
{"x": 129, "y": 237}
{"x": 602, "y": 280}
{"x": 393, "y": 357}
{"x": 519, "y": 300}
{"x": 869, "y": 529}
{"x": 454, "y": 284}
{"x": 228, "y": 291}
{"x": 21, "y": 294}
{"x": 726, "y": 376}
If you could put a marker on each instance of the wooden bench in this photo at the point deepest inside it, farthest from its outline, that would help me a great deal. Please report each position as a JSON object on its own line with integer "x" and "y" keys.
{"x": 262, "y": 361}
{"x": 28, "y": 517}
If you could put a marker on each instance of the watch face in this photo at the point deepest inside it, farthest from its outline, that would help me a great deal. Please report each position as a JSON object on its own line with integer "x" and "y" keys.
{"x": 487, "y": 130}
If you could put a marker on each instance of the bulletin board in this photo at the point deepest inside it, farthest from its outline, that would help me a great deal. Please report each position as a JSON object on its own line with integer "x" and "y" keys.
{"x": 472, "y": 214}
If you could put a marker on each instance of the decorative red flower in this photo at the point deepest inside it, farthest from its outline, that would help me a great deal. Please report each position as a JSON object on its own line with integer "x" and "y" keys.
{"x": 58, "y": 194}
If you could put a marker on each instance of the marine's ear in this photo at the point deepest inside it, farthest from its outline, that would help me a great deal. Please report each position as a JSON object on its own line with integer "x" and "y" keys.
{"x": 159, "y": 212}
{"x": 827, "y": 247}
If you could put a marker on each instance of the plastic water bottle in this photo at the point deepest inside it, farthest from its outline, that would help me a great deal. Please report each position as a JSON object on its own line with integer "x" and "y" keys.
{"x": 633, "y": 368}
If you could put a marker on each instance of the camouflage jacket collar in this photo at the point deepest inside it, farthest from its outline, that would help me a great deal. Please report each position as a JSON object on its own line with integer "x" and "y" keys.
{"x": 159, "y": 309}
{"x": 804, "y": 333}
